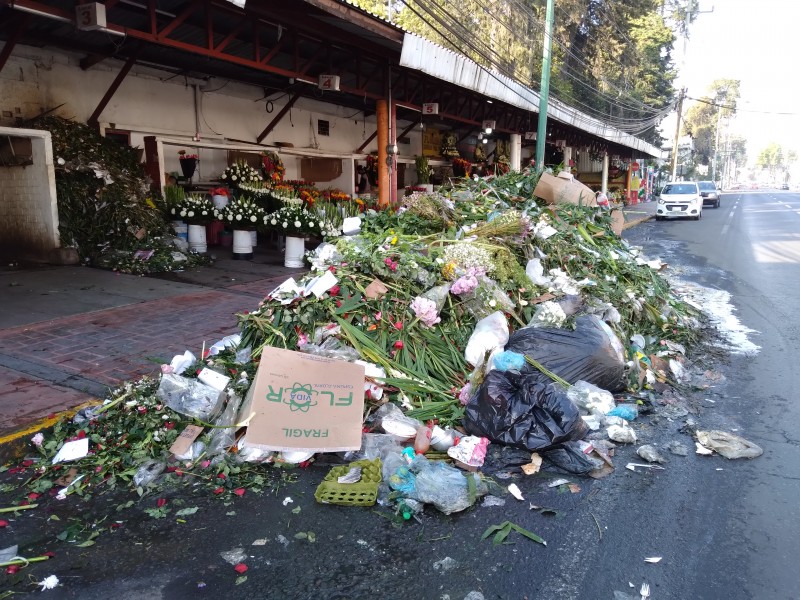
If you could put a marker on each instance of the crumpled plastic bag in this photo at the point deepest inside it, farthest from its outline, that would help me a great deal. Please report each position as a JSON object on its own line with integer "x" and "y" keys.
{"x": 447, "y": 488}
{"x": 591, "y": 398}
{"x": 524, "y": 410}
{"x": 489, "y": 335}
{"x": 331, "y": 348}
{"x": 190, "y": 397}
{"x": 223, "y": 438}
{"x": 148, "y": 471}
{"x": 728, "y": 445}
{"x": 591, "y": 353}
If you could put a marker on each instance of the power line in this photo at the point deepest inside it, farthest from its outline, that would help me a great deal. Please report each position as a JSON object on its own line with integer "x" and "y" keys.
{"x": 747, "y": 110}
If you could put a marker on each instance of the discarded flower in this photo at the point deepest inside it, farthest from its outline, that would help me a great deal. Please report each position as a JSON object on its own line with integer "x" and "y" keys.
{"x": 239, "y": 491}
{"x": 240, "y": 568}
{"x": 11, "y": 569}
{"x": 49, "y": 582}
{"x": 219, "y": 490}
{"x": 161, "y": 502}
{"x": 37, "y": 439}
{"x": 3, "y": 523}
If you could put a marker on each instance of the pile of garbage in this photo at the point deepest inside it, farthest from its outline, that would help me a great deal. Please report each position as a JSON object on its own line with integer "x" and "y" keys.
{"x": 481, "y": 316}
{"x": 106, "y": 209}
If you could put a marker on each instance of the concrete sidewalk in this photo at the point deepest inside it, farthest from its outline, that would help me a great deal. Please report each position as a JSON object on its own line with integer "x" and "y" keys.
{"x": 67, "y": 334}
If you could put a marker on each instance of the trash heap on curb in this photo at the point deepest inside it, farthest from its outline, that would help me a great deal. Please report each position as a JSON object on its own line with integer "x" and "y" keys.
{"x": 475, "y": 317}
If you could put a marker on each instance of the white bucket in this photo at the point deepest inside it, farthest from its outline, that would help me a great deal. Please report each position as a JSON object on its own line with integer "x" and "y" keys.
{"x": 295, "y": 250}
{"x": 254, "y": 238}
{"x": 197, "y": 238}
{"x": 219, "y": 201}
{"x": 181, "y": 230}
{"x": 242, "y": 243}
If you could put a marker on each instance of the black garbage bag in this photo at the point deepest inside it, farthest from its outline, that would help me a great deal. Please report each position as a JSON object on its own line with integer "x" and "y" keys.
{"x": 591, "y": 353}
{"x": 524, "y": 410}
{"x": 570, "y": 458}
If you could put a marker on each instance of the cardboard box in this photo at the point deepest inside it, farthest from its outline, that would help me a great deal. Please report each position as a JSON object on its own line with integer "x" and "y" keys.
{"x": 304, "y": 402}
{"x": 564, "y": 189}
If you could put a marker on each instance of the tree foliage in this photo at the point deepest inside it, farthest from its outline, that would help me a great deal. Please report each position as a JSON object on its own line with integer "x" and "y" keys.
{"x": 610, "y": 59}
{"x": 705, "y": 118}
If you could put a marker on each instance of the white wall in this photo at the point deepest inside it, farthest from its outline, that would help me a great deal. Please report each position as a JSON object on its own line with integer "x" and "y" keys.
{"x": 28, "y": 215}
{"x": 152, "y": 102}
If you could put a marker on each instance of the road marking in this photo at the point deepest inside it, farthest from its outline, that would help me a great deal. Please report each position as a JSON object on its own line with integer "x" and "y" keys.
{"x": 44, "y": 423}
{"x": 730, "y": 219}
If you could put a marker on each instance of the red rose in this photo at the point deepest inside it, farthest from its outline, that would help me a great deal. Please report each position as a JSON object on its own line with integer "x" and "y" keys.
{"x": 161, "y": 502}
{"x": 334, "y": 291}
{"x": 219, "y": 490}
{"x": 3, "y": 523}
{"x": 11, "y": 569}
{"x": 169, "y": 425}
{"x": 239, "y": 491}
{"x": 240, "y": 568}
{"x": 221, "y": 476}
{"x": 399, "y": 344}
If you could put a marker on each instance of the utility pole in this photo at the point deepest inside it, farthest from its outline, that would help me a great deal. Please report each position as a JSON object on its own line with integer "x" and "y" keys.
{"x": 716, "y": 143}
{"x": 544, "y": 92}
{"x": 677, "y": 134}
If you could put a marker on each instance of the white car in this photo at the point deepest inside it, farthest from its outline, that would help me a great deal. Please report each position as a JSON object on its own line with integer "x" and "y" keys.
{"x": 680, "y": 199}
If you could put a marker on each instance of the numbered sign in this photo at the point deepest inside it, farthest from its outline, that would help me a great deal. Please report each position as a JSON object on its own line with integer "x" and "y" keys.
{"x": 430, "y": 108}
{"x": 329, "y": 82}
{"x": 91, "y": 16}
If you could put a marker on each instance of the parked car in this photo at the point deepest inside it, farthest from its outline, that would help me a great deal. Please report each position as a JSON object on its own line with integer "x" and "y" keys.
{"x": 680, "y": 199}
{"x": 709, "y": 192}
{"x": 784, "y": 186}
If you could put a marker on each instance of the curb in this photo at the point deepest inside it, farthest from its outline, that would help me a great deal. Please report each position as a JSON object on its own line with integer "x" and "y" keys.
{"x": 635, "y": 222}
{"x": 14, "y": 445}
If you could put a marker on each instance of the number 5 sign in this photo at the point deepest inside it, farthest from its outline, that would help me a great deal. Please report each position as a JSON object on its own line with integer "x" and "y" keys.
{"x": 430, "y": 108}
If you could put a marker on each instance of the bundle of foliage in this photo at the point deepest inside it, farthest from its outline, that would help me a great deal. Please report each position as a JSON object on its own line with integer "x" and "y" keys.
{"x": 103, "y": 194}
{"x": 196, "y": 209}
{"x": 242, "y": 213}
{"x": 272, "y": 167}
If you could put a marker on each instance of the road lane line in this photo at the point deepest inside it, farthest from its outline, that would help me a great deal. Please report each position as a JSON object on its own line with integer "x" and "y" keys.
{"x": 730, "y": 220}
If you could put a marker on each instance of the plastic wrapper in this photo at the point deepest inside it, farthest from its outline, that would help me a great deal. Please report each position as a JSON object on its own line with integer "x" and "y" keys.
{"x": 147, "y": 472}
{"x": 243, "y": 355}
{"x": 85, "y": 414}
{"x": 524, "y": 410}
{"x": 229, "y": 341}
{"x": 592, "y": 352}
{"x": 447, "y": 488}
{"x": 190, "y": 397}
{"x": 507, "y": 361}
{"x": 394, "y": 422}
{"x": 193, "y": 452}
{"x": 490, "y": 334}
{"x": 331, "y": 348}
{"x": 487, "y": 298}
{"x": 438, "y": 294}
{"x": 591, "y": 398}
{"x": 254, "y": 455}
{"x": 375, "y": 445}
{"x": 222, "y": 439}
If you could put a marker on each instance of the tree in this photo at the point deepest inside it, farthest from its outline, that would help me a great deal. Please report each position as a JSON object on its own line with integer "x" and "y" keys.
{"x": 703, "y": 120}
{"x": 771, "y": 159}
{"x": 611, "y": 60}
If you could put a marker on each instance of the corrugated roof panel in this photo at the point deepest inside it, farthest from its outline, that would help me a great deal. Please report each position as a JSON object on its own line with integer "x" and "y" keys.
{"x": 423, "y": 55}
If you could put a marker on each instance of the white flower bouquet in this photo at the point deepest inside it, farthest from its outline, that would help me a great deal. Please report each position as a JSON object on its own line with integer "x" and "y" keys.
{"x": 240, "y": 173}
{"x": 241, "y": 214}
{"x": 196, "y": 209}
{"x": 294, "y": 220}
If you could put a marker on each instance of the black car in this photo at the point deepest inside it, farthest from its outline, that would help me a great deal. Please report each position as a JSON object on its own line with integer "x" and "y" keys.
{"x": 709, "y": 193}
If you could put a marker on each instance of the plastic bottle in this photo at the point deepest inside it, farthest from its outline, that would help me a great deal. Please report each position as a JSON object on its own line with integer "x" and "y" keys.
{"x": 422, "y": 442}
{"x": 409, "y": 508}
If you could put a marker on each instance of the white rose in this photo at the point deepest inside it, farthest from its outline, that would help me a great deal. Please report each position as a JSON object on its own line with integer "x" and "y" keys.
{"x": 233, "y": 177}
{"x": 224, "y": 176}
{"x": 183, "y": 213}
{"x": 273, "y": 222}
{"x": 297, "y": 223}
{"x": 492, "y": 303}
{"x": 311, "y": 223}
{"x": 238, "y": 217}
{"x": 254, "y": 218}
{"x": 191, "y": 213}
{"x": 172, "y": 211}
{"x": 285, "y": 225}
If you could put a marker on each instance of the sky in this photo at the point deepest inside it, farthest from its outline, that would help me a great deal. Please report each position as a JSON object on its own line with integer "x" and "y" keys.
{"x": 755, "y": 41}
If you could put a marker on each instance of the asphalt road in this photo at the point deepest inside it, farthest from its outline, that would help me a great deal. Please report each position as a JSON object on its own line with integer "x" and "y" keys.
{"x": 723, "y": 529}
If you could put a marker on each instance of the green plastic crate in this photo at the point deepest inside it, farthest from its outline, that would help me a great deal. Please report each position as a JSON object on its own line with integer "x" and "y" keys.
{"x": 363, "y": 493}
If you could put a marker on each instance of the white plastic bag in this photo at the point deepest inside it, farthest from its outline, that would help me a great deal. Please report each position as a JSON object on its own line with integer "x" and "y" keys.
{"x": 491, "y": 333}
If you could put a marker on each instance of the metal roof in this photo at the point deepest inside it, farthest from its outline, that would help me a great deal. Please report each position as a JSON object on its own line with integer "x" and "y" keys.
{"x": 423, "y": 55}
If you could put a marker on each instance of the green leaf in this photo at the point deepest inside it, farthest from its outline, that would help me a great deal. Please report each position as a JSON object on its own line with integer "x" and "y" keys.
{"x": 492, "y": 529}
{"x": 186, "y": 511}
{"x": 301, "y": 535}
{"x": 85, "y": 544}
{"x": 241, "y": 579}
{"x": 296, "y": 511}
{"x": 312, "y": 537}
{"x": 501, "y": 535}
{"x": 528, "y": 534}
{"x": 53, "y": 518}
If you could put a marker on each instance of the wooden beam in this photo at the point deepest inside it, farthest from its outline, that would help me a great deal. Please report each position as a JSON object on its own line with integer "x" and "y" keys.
{"x": 18, "y": 29}
{"x": 408, "y": 129}
{"x": 281, "y": 113}
{"x": 366, "y": 142}
{"x": 93, "y": 120}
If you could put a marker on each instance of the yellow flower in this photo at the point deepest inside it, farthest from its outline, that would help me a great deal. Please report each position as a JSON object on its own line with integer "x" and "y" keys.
{"x": 449, "y": 270}
{"x": 394, "y": 240}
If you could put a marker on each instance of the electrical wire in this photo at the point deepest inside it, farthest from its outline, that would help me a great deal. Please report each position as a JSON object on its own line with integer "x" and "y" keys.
{"x": 747, "y": 110}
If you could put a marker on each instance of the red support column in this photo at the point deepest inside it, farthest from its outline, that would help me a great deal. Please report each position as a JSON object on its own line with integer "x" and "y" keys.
{"x": 93, "y": 120}
{"x": 393, "y": 142}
